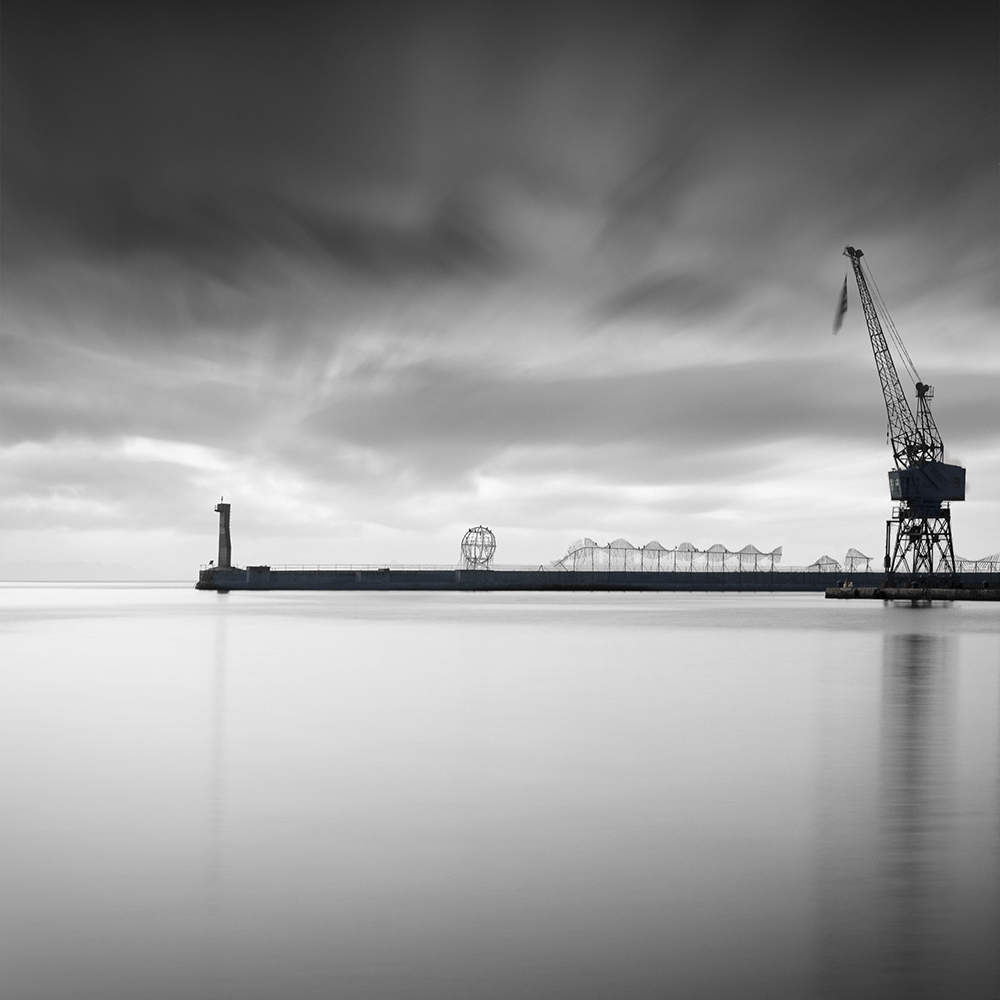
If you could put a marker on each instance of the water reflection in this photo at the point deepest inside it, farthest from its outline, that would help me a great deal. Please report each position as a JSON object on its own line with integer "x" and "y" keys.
{"x": 216, "y": 846}
{"x": 885, "y": 843}
{"x": 218, "y": 730}
{"x": 916, "y": 772}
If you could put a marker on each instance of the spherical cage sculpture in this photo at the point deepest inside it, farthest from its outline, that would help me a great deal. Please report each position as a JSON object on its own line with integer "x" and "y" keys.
{"x": 478, "y": 547}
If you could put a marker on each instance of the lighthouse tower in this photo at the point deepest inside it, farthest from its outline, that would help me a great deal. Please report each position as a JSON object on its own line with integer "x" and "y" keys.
{"x": 225, "y": 542}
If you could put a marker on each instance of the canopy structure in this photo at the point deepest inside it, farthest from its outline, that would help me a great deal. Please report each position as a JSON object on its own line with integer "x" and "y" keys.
{"x": 857, "y": 562}
{"x": 988, "y": 564}
{"x": 825, "y": 564}
{"x": 622, "y": 556}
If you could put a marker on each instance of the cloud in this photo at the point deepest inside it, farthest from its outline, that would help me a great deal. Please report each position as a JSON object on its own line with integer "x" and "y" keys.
{"x": 687, "y": 295}
{"x": 389, "y": 254}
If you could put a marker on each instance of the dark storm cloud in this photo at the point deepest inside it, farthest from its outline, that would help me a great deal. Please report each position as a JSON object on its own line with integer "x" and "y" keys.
{"x": 712, "y": 408}
{"x": 200, "y": 139}
{"x": 52, "y": 390}
{"x": 228, "y": 414}
{"x": 684, "y": 295}
{"x": 217, "y": 235}
{"x": 199, "y": 142}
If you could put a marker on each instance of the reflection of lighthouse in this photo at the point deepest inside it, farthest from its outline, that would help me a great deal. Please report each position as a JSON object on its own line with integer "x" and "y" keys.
{"x": 225, "y": 542}
{"x": 914, "y": 815}
{"x": 214, "y": 938}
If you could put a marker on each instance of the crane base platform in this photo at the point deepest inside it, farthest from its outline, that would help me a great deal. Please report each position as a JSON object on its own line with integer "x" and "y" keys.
{"x": 915, "y": 594}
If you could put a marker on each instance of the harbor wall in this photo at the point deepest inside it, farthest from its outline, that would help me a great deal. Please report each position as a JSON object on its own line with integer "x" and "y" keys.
{"x": 264, "y": 578}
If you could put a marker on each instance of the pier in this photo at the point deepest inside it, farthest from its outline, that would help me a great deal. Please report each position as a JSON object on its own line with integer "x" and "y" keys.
{"x": 224, "y": 579}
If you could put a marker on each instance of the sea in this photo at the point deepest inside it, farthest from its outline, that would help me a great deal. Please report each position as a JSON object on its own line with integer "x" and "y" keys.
{"x": 400, "y": 796}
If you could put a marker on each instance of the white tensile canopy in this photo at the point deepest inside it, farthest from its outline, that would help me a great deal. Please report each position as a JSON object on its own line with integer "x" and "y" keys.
{"x": 622, "y": 556}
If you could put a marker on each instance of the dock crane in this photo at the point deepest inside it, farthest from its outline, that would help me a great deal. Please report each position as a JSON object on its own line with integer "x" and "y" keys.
{"x": 918, "y": 536}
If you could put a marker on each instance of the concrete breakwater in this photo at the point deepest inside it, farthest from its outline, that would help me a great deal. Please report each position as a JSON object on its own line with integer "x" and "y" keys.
{"x": 917, "y": 593}
{"x": 387, "y": 578}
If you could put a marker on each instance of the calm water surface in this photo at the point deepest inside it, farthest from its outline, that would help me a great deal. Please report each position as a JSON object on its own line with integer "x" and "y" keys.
{"x": 484, "y": 795}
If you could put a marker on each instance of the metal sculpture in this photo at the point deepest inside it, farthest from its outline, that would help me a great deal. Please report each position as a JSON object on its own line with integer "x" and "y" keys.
{"x": 478, "y": 546}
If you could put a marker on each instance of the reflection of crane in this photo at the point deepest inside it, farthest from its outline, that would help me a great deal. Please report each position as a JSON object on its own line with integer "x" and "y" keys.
{"x": 921, "y": 482}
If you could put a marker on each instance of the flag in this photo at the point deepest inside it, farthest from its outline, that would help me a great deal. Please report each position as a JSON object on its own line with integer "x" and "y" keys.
{"x": 841, "y": 307}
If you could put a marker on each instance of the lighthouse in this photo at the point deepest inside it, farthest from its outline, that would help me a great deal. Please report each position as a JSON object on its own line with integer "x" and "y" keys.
{"x": 225, "y": 542}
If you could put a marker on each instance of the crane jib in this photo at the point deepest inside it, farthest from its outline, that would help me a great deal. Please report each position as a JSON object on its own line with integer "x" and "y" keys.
{"x": 914, "y": 439}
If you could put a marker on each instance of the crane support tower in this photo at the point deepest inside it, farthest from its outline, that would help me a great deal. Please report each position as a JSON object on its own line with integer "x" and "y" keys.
{"x": 918, "y": 536}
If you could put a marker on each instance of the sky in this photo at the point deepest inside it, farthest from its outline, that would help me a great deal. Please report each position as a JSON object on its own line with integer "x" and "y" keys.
{"x": 377, "y": 273}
